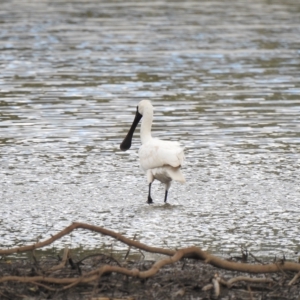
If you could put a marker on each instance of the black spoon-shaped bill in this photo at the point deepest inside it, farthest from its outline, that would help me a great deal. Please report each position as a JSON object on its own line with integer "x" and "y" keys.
{"x": 126, "y": 144}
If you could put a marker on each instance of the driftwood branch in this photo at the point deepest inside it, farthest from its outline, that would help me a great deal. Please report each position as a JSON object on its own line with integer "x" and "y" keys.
{"x": 190, "y": 252}
{"x": 174, "y": 256}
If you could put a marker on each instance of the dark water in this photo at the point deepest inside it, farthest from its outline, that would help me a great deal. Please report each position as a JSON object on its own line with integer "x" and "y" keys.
{"x": 224, "y": 78}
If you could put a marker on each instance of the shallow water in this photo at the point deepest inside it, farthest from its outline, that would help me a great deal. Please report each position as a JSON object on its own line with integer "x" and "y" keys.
{"x": 224, "y": 79}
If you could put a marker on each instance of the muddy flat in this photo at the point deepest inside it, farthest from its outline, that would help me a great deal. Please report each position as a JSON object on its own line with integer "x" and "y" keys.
{"x": 186, "y": 279}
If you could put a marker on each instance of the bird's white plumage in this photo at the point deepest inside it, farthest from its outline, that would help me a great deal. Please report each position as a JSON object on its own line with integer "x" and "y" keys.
{"x": 157, "y": 153}
{"x": 162, "y": 158}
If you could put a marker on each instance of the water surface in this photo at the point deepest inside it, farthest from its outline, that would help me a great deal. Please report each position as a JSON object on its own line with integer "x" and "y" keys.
{"x": 223, "y": 77}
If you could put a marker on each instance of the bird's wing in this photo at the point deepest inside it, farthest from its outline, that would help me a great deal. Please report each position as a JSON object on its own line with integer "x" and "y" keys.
{"x": 157, "y": 153}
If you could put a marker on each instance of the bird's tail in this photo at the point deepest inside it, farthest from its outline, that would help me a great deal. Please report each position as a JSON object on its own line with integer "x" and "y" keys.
{"x": 175, "y": 174}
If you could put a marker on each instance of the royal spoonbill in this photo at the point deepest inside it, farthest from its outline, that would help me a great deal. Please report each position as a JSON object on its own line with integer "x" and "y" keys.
{"x": 161, "y": 160}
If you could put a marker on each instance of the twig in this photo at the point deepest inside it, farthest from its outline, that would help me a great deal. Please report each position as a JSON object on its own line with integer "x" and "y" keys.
{"x": 216, "y": 285}
{"x": 231, "y": 281}
{"x": 256, "y": 259}
{"x": 250, "y": 292}
{"x": 99, "y": 254}
{"x": 62, "y": 263}
{"x": 44, "y": 286}
{"x": 207, "y": 287}
{"x": 294, "y": 279}
{"x": 129, "y": 248}
{"x": 34, "y": 257}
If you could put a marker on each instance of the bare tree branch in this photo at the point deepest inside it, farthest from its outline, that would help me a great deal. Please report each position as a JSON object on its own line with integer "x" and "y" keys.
{"x": 174, "y": 256}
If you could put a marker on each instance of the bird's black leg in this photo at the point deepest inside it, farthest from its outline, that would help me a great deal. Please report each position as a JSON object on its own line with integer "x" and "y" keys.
{"x": 149, "y": 195}
{"x": 166, "y": 195}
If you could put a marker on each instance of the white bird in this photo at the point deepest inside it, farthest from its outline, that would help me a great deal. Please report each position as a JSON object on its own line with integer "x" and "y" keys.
{"x": 161, "y": 160}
